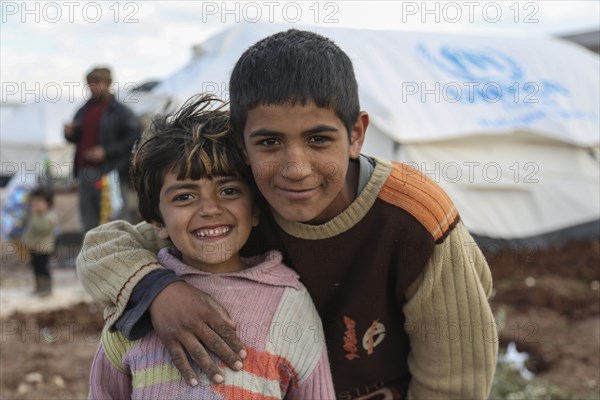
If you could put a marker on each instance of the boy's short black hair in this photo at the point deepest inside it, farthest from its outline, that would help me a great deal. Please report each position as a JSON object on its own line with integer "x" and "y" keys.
{"x": 294, "y": 66}
{"x": 44, "y": 192}
{"x": 196, "y": 142}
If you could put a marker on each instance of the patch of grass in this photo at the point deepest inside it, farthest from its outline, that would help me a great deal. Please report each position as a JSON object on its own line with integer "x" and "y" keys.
{"x": 510, "y": 385}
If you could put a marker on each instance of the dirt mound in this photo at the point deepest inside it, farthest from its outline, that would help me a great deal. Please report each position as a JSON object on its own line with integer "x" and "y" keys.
{"x": 48, "y": 355}
{"x": 548, "y": 303}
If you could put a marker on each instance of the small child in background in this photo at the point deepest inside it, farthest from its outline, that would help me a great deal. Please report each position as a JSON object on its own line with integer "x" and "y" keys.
{"x": 39, "y": 237}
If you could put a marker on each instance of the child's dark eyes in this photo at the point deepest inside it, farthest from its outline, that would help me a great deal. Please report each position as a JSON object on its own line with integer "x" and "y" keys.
{"x": 230, "y": 191}
{"x": 183, "y": 197}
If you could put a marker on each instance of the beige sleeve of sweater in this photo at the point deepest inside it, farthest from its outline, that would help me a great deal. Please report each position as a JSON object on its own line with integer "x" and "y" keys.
{"x": 113, "y": 259}
{"x": 453, "y": 336}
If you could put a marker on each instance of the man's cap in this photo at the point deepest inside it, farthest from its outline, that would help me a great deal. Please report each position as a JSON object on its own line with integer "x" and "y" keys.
{"x": 99, "y": 74}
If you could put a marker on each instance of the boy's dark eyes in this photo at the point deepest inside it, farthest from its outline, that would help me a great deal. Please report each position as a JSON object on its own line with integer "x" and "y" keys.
{"x": 318, "y": 139}
{"x": 269, "y": 142}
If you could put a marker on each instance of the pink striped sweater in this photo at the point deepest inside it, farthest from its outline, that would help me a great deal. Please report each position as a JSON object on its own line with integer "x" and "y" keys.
{"x": 277, "y": 321}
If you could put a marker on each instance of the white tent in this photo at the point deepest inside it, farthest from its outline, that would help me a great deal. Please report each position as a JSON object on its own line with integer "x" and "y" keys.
{"x": 32, "y": 141}
{"x": 509, "y": 126}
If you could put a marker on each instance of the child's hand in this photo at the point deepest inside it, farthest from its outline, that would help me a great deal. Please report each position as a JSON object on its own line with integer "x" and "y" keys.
{"x": 186, "y": 319}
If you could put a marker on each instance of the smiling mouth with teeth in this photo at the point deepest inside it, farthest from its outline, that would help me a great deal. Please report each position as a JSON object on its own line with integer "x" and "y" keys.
{"x": 204, "y": 233}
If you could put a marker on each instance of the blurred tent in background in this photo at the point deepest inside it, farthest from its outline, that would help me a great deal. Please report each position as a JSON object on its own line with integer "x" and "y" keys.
{"x": 509, "y": 126}
{"x": 33, "y": 142}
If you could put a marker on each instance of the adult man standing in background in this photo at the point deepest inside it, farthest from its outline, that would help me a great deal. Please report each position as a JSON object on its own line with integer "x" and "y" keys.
{"x": 104, "y": 131}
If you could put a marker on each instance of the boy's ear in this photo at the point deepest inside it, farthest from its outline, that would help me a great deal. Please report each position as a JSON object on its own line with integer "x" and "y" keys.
{"x": 161, "y": 230}
{"x": 357, "y": 136}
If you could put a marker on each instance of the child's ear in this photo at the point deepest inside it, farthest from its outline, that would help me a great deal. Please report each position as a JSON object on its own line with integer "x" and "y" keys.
{"x": 161, "y": 230}
{"x": 357, "y": 136}
{"x": 255, "y": 216}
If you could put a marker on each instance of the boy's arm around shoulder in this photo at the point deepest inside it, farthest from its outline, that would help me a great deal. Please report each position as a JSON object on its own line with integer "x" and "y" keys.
{"x": 113, "y": 259}
{"x": 453, "y": 336}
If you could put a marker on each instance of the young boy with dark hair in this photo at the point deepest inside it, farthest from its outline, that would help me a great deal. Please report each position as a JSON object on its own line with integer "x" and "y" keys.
{"x": 398, "y": 281}
{"x": 196, "y": 192}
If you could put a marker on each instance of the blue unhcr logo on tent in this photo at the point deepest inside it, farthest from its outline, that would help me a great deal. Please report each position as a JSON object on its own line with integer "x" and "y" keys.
{"x": 488, "y": 75}
{"x": 476, "y": 66}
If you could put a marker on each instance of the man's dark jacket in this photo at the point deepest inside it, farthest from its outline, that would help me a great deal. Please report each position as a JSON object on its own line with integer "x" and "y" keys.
{"x": 119, "y": 129}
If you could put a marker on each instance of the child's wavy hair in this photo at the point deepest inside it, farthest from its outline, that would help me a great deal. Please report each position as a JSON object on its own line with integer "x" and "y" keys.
{"x": 196, "y": 142}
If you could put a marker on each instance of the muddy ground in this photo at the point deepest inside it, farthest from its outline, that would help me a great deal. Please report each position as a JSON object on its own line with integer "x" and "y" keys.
{"x": 548, "y": 302}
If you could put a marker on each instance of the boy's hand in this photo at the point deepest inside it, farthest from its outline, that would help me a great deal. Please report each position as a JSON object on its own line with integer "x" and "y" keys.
{"x": 187, "y": 319}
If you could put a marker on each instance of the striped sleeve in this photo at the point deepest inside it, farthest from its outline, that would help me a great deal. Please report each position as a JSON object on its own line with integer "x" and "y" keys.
{"x": 114, "y": 348}
{"x": 318, "y": 385}
{"x": 106, "y": 381}
{"x": 301, "y": 342}
{"x": 451, "y": 328}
